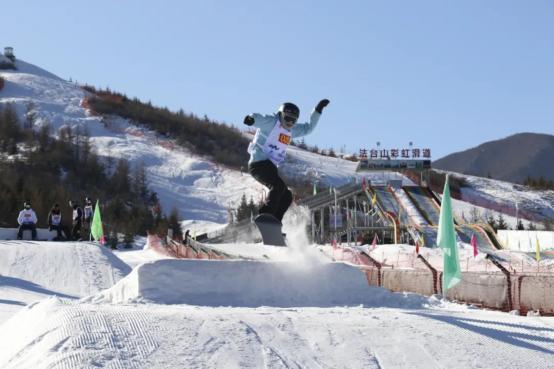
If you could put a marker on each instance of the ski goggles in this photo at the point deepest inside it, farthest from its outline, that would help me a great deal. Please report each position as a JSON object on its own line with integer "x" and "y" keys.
{"x": 289, "y": 118}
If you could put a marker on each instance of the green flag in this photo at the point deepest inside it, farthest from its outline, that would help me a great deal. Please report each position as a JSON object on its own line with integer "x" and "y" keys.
{"x": 96, "y": 229}
{"x": 446, "y": 240}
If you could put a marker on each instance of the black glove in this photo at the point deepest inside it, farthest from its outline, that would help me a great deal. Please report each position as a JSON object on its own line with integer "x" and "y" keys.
{"x": 323, "y": 103}
{"x": 49, "y": 228}
{"x": 248, "y": 120}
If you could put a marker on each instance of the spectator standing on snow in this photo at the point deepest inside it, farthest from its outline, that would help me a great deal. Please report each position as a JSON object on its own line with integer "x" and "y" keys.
{"x": 88, "y": 213}
{"x": 55, "y": 223}
{"x": 27, "y": 220}
{"x": 77, "y": 220}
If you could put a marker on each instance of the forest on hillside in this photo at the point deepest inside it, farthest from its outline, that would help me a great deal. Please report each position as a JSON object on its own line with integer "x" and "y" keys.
{"x": 223, "y": 143}
{"x": 44, "y": 170}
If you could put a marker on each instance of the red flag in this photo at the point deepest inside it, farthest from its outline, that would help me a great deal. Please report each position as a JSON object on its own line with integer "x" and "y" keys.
{"x": 474, "y": 244}
{"x": 334, "y": 243}
{"x": 374, "y": 243}
{"x": 363, "y": 184}
{"x": 417, "y": 247}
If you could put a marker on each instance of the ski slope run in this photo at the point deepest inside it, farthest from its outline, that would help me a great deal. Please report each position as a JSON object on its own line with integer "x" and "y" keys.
{"x": 265, "y": 315}
{"x": 31, "y": 271}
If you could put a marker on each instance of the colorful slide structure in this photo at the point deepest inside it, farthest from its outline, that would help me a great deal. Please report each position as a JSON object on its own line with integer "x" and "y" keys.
{"x": 428, "y": 207}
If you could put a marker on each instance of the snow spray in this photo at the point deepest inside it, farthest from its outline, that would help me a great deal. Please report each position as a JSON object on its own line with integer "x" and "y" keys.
{"x": 301, "y": 252}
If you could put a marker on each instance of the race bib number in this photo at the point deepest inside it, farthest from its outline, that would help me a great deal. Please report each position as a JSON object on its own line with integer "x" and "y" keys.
{"x": 285, "y": 139}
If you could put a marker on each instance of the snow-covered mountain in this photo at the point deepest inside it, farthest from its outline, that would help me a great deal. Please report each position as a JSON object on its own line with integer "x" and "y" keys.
{"x": 197, "y": 187}
{"x": 508, "y": 198}
{"x": 200, "y": 189}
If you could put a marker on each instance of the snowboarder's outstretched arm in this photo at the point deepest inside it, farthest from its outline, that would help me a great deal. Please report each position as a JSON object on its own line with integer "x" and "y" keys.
{"x": 260, "y": 121}
{"x": 302, "y": 129}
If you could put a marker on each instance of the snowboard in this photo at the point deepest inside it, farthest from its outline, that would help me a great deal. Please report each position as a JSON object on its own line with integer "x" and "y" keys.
{"x": 270, "y": 229}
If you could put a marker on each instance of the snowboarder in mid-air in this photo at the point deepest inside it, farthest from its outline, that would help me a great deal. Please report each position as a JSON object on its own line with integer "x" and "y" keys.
{"x": 267, "y": 151}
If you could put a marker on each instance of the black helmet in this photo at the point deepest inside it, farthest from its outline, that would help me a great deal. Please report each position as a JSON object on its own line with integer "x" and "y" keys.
{"x": 288, "y": 114}
{"x": 27, "y": 204}
{"x": 88, "y": 201}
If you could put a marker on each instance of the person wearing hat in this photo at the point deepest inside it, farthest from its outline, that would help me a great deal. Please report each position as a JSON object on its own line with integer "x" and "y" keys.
{"x": 27, "y": 220}
{"x": 55, "y": 223}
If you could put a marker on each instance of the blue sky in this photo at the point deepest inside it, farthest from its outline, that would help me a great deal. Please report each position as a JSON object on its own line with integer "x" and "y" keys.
{"x": 447, "y": 75}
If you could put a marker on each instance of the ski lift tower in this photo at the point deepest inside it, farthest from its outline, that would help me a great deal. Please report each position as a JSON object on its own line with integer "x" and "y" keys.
{"x": 8, "y": 53}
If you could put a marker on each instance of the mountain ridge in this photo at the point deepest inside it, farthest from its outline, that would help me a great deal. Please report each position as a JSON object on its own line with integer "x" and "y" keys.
{"x": 513, "y": 158}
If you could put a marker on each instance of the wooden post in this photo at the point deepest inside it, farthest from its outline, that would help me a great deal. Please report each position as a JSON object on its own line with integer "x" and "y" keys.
{"x": 321, "y": 226}
{"x": 313, "y": 226}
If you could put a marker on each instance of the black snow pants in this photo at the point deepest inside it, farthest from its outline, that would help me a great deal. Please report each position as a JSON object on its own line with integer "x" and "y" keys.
{"x": 76, "y": 231}
{"x": 280, "y": 197}
{"x": 25, "y": 227}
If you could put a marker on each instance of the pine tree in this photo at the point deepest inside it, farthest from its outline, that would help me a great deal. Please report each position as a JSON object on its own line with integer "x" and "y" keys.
{"x": 548, "y": 225}
{"x": 492, "y": 222}
{"x": 520, "y": 226}
{"x": 501, "y": 223}
{"x": 475, "y": 215}
{"x": 243, "y": 210}
{"x": 30, "y": 115}
{"x": 120, "y": 178}
{"x": 43, "y": 138}
{"x": 10, "y": 130}
{"x": 85, "y": 146}
{"x": 531, "y": 227}
{"x": 252, "y": 208}
{"x": 174, "y": 224}
{"x": 128, "y": 238}
{"x": 140, "y": 182}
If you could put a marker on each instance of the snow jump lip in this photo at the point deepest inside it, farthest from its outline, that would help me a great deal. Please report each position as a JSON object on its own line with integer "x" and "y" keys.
{"x": 242, "y": 283}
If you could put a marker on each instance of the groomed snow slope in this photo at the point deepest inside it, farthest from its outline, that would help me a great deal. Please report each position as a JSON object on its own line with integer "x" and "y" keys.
{"x": 504, "y": 195}
{"x": 143, "y": 321}
{"x": 61, "y": 334}
{"x": 31, "y": 271}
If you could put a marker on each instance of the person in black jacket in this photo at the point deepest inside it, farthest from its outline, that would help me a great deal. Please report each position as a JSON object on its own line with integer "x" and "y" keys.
{"x": 88, "y": 213}
{"x": 77, "y": 220}
{"x": 55, "y": 223}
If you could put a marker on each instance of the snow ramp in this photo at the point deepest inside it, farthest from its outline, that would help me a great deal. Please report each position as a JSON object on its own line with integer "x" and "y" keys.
{"x": 71, "y": 269}
{"x": 246, "y": 283}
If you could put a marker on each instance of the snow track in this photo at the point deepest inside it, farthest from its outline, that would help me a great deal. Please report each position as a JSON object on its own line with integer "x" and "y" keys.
{"x": 247, "y": 314}
{"x": 31, "y": 271}
{"x": 119, "y": 335}
{"x": 58, "y": 265}
{"x": 83, "y": 335}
